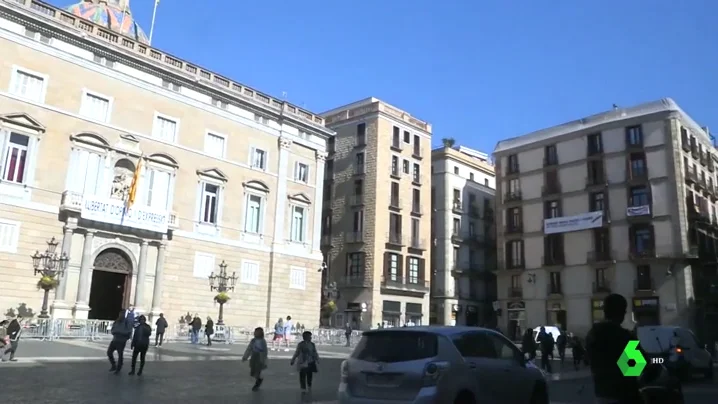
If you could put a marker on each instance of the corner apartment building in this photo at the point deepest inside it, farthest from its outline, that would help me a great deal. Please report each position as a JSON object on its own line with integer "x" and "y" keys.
{"x": 227, "y": 173}
{"x": 463, "y": 253}
{"x": 622, "y": 202}
{"x": 376, "y": 218}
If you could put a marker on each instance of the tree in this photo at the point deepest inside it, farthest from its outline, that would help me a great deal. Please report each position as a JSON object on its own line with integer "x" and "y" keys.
{"x": 448, "y": 141}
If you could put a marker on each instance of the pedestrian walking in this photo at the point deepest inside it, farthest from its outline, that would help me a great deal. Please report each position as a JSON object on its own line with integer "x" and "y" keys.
{"x": 577, "y": 350}
{"x": 161, "y": 325}
{"x": 256, "y": 352}
{"x": 140, "y": 343}
{"x": 561, "y": 342}
{"x": 121, "y": 331}
{"x": 209, "y": 330}
{"x": 278, "y": 333}
{"x": 348, "y": 334}
{"x": 195, "y": 327}
{"x": 306, "y": 358}
{"x": 12, "y": 339}
{"x": 546, "y": 344}
{"x": 528, "y": 344}
{"x": 288, "y": 327}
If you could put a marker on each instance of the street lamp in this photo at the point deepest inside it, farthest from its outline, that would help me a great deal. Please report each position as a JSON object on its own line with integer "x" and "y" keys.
{"x": 50, "y": 266}
{"x": 222, "y": 283}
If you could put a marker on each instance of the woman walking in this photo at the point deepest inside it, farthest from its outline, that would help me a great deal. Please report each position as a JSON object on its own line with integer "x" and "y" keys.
{"x": 140, "y": 344}
{"x": 306, "y": 358}
{"x": 256, "y": 352}
{"x": 209, "y": 330}
{"x": 121, "y": 332}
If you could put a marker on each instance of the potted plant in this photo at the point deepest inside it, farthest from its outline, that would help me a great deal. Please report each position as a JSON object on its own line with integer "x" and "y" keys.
{"x": 47, "y": 283}
{"x": 221, "y": 298}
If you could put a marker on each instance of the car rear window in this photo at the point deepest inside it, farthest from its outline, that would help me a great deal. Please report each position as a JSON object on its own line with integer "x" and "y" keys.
{"x": 390, "y": 347}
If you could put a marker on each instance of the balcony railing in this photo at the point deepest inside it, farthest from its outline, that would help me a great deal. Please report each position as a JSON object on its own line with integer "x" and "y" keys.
{"x": 686, "y": 145}
{"x": 360, "y": 141}
{"x": 416, "y": 179}
{"x": 601, "y": 287}
{"x": 397, "y": 145}
{"x": 596, "y": 182}
{"x": 515, "y": 292}
{"x": 416, "y": 209}
{"x": 691, "y": 177}
{"x": 417, "y": 243}
{"x": 550, "y": 161}
{"x": 557, "y": 259}
{"x": 355, "y": 237}
{"x": 417, "y": 152}
{"x": 547, "y": 190}
{"x": 554, "y": 289}
{"x": 456, "y": 237}
{"x": 638, "y": 175}
{"x": 355, "y": 200}
{"x": 395, "y": 238}
{"x": 512, "y": 196}
{"x": 644, "y": 285}
{"x": 359, "y": 169}
{"x": 456, "y": 206}
{"x": 395, "y": 202}
{"x": 357, "y": 281}
{"x": 404, "y": 283}
{"x": 514, "y": 228}
{"x": 600, "y": 256}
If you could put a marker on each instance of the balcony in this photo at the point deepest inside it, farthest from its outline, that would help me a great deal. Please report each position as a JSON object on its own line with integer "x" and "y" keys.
{"x": 514, "y": 229}
{"x": 553, "y": 289}
{"x": 515, "y": 292}
{"x": 397, "y": 145}
{"x": 550, "y": 161}
{"x": 596, "y": 182}
{"x": 417, "y": 152}
{"x": 702, "y": 183}
{"x": 417, "y": 243}
{"x": 354, "y": 237}
{"x": 456, "y": 238}
{"x": 359, "y": 169}
{"x": 691, "y": 177}
{"x": 602, "y": 287}
{"x": 512, "y": 169}
{"x": 601, "y": 257}
{"x": 512, "y": 196}
{"x": 395, "y": 238}
{"x": 112, "y": 211}
{"x": 395, "y": 173}
{"x": 508, "y": 265}
{"x": 710, "y": 191}
{"x": 711, "y": 164}
{"x": 556, "y": 259}
{"x": 359, "y": 142}
{"x": 356, "y": 200}
{"x": 416, "y": 209}
{"x": 637, "y": 177}
{"x": 457, "y": 207}
{"x": 704, "y": 159}
{"x": 404, "y": 284}
{"x": 644, "y": 285}
{"x": 395, "y": 203}
{"x": 686, "y": 145}
{"x": 416, "y": 180}
{"x": 354, "y": 281}
{"x": 549, "y": 190}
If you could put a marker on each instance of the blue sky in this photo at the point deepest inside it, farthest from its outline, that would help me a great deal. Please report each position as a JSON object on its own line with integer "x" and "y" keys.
{"x": 479, "y": 71}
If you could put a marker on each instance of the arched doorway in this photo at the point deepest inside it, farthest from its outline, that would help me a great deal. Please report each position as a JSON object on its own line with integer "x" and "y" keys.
{"x": 110, "y": 288}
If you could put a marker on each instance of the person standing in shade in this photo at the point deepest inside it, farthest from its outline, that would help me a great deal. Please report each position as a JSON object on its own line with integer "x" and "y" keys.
{"x": 121, "y": 332}
{"x": 161, "y": 325}
{"x": 348, "y": 334}
{"x": 209, "y": 330}
{"x": 140, "y": 343}
{"x": 288, "y": 325}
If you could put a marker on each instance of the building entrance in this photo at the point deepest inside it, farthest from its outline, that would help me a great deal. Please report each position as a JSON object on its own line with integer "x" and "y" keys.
{"x": 110, "y": 288}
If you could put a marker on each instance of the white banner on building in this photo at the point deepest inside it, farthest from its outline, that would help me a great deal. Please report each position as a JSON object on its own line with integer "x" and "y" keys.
{"x": 112, "y": 211}
{"x": 638, "y": 210}
{"x": 567, "y": 224}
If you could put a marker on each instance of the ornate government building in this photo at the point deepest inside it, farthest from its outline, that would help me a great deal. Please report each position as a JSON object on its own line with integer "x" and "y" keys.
{"x": 227, "y": 173}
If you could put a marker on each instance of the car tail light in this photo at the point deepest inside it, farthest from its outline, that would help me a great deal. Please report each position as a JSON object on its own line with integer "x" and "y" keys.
{"x": 433, "y": 372}
{"x": 345, "y": 371}
{"x": 679, "y": 350}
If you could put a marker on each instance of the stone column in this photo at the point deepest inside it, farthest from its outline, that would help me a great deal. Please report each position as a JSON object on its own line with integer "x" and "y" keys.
{"x": 141, "y": 278}
{"x": 280, "y": 220}
{"x": 318, "y": 200}
{"x": 60, "y": 308}
{"x": 159, "y": 279}
{"x": 83, "y": 290}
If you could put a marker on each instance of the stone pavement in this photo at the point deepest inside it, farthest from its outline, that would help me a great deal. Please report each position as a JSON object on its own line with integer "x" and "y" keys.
{"x": 580, "y": 391}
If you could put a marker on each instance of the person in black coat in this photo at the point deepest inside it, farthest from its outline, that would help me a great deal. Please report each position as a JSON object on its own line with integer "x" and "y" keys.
{"x": 140, "y": 344}
{"x": 13, "y": 336}
{"x": 209, "y": 330}
{"x": 121, "y": 332}
{"x": 528, "y": 344}
{"x": 161, "y": 325}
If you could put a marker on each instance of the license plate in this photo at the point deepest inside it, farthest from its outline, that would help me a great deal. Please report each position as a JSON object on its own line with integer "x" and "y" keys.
{"x": 380, "y": 380}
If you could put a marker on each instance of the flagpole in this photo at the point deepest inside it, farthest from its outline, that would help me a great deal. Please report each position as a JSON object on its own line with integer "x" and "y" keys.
{"x": 124, "y": 13}
{"x": 152, "y": 26}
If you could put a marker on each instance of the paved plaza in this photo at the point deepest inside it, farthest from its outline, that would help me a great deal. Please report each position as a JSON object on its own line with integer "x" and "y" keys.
{"x": 76, "y": 372}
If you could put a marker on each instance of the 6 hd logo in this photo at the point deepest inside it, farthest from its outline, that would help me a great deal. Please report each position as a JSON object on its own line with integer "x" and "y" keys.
{"x": 632, "y": 361}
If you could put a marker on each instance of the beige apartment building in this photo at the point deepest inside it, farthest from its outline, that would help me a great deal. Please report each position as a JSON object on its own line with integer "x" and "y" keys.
{"x": 227, "y": 174}
{"x": 376, "y": 217}
{"x": 622, "y": 201}
{"x": 463, "y": 284}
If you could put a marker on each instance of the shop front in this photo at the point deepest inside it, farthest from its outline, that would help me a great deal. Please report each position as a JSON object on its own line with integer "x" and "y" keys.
{"x": 597, "y": 310}
{"x": 646, "y": 311}
{"x": 516, "y": 326}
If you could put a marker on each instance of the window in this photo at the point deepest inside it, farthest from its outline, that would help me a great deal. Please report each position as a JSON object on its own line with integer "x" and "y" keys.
{"x": 258, "y": 158}
{"x": 516, "y": 281}
{"x": 15, "y": 159}
{"x": 417, "y": 173}
{"x": 396, "y": 138}
{"x": 514, "y": 186}
{"x": 455, "y": 257}
{"x": 104, "y": 61}
{"x": 638, "y": 196}
{"x": 634, "y": 136}
{"x": 457, "y": 226}
{"x": 416, "y": 201}
{"x": 601, "y": 280}
{"x": 413, "y": 270}
{"x": 203, "y": 265}
{"x": 395, "y": 166}
{"x": 361, "y": 134}
{"x": 595, "y": 144}
{"x": 394, "y": 269}
{"x": 157, "y": 188}
{"x": 514, "y": 218}
{"x": 407, "y": 137}
{"x": 214, "y": 145}
{"x": 96, "y": 107}
{"x": 28, "y": 85}
{"x": 643, "y": 277}
{"x": 85, "y": 175}
{"x": 355, "y": 264}
{"x": 555, "y": 282}
{"x": 261, "y": 119}
{"x": 553, "y": 209}
{"x": 165, "y": 129}
{"x": 299, "y": 220}
{"x": 359, "y": 163}
{"x": 210, "y": 204}
{"x": 471, "y": 176}
{"x": 486, "y": 182}
{"x": 515, "y": 253}
{"x": 595, "y": 172}
{"x": 552, "y": 182}
{"x": 358, "y": 223}
{"x": 301, "y": 172}
{"x": 415, "y": 231}
{"x": 395, "y": 202}
{"x": 254, "y": 214}
{"x": 171, "y": 86}
{"x": 397, "y": 347}
{"x": 359, "y": 187}
{"x": 457, "y": 196}
{"x": 638, "y": 165}
{"x": 553, "y": 249}
{"x": 597, "y": 202}
{"x": 642, "y": 239}
{"x": 513, "y": 162}
{"x": 456, "y": 170}
{"x": 406, "y": 167}
{"x": 250, "y": 272}
{"x": 297, "y": 278}
{"x": 9, "y": 235}
{"x": 601, "y": 241}
{"x": 395, "y": 227}
{"x": 550, "y": 155}
{"x": 472, "y": 231}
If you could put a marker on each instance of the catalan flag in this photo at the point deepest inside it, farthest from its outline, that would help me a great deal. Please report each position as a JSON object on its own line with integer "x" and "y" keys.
{"x": 135, "y": 183}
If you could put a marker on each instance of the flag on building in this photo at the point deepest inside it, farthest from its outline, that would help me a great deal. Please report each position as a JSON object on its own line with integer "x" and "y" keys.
{"x": 135, "y": 183}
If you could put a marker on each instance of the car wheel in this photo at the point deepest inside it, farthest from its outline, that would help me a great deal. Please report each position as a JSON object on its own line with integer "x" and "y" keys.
{"x": 465, "y": 397}
{"x": 540, "y": 394}
{"x": 709, "y": 372}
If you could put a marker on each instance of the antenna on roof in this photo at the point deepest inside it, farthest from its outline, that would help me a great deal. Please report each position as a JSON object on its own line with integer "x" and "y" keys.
{"x": 152, "y": 25}
{"x": 615, "y": 107}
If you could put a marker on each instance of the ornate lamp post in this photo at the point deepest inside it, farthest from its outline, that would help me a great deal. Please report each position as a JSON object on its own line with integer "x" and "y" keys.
{"x": 222, "y": 283}
{"x": 50, "y": 266}
{"x": 329, "y": 294}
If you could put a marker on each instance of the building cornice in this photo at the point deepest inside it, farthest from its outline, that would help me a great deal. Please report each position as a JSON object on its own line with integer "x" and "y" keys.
{"x": 447, "y": 153}
{"x": 360, "y": 109}
{"x": 67, "y": 27}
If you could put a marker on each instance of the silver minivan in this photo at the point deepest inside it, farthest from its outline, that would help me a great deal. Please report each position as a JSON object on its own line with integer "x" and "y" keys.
{"x": 461, "y": 365}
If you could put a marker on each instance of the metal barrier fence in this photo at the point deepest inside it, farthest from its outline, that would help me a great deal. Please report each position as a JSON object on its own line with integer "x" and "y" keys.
{"x": 99, "y": 330}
